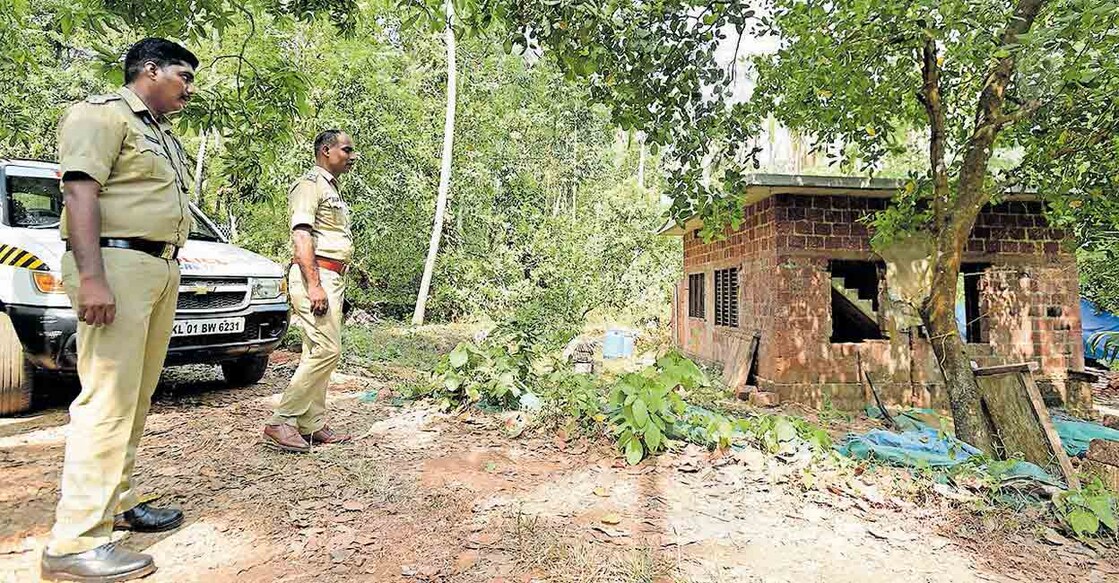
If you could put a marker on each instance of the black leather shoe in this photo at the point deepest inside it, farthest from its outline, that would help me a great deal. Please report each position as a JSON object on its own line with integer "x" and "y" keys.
{"x": 103, "y": 564}
{"x": 145, "y": 518}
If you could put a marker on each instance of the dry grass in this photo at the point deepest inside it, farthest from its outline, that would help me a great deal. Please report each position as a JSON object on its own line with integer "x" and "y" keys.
{"x": 379, "y": 484}
{"x": 561, "y": 553}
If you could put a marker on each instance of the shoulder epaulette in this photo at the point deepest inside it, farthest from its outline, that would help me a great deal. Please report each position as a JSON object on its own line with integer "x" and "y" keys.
{"x": 103, "y": 99}
{"x": 310, "y": 175}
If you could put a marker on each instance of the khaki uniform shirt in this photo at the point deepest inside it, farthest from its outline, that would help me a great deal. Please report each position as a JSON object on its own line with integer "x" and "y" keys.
{"x": 315, "y": 202}
{"x": 140, "y": 165}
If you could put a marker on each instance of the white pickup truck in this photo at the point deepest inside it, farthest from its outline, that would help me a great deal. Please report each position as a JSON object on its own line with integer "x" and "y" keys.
{"x": 232, "y": 309}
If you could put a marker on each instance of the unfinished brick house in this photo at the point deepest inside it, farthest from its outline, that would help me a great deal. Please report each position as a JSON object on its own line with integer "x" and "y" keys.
{"x": 799, "y": 274}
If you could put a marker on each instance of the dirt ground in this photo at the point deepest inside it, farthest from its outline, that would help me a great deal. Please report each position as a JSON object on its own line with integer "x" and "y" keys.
{"x": 420, "y": 496}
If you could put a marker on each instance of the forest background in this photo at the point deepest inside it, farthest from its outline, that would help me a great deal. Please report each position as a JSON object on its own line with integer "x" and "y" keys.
{"x": 553, "y": 207}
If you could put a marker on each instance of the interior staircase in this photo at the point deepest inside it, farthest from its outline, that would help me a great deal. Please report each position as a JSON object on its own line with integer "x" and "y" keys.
{"x": 853, "y": 314}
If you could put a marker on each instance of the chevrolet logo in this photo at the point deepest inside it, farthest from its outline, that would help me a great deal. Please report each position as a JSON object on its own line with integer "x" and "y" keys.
{"x": 201, "y": 290}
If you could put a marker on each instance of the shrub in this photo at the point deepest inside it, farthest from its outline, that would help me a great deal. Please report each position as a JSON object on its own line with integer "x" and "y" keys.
{"x": 646, "y": 404}
{"x": 496, "y": 371}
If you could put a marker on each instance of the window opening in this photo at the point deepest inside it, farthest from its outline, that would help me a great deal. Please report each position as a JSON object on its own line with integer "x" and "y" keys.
{"x": 726, "y": 297}
{"x": 696, "y": 295}
{"x": 969, "y": 318}
{"x": 854, "y": 301}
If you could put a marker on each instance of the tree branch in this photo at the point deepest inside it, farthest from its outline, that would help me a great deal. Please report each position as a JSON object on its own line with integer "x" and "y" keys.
{"x": 930, "y": 96}
{"x": 1017, "y": 115}
{"x": 989, "y": 120}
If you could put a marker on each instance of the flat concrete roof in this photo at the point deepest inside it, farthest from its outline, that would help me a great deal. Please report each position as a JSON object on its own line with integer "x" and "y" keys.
{"x": 762, "y": 186}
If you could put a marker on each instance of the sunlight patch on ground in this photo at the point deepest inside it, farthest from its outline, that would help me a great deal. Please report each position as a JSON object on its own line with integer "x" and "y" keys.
{"x": 43, "y": 437}
{"x": 272, "y": 401}
{"x": 409, "y": 430}
{"x": 203, "y": 550}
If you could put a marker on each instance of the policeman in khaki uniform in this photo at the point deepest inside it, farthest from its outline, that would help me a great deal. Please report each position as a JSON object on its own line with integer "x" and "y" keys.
{"x": 124, "y": 180}
{"x": 320, "y": 224}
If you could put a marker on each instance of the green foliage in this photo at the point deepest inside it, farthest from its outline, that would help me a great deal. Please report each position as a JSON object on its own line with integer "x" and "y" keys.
{"x": 774, "y": 432}
{"x": 1087, "y": 511}
{"x": 908, "y": 213}
{"x": 544, "y": 222}
{"x": 572, "y": 400}
{"x": 647, "y": 403}
{"x": 1097, "y": 261}
{"x": 497, "y": 371}
{"x": 708, "y": 428}
{"x": 418, "y": 350}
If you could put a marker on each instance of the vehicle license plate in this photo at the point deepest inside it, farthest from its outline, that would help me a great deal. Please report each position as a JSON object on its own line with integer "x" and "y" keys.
{"x": 211, "y": 326}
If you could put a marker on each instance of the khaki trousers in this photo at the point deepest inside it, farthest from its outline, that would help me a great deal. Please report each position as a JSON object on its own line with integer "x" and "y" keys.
{"x": 119, "y": 366}
{"x": 304, "y": 402}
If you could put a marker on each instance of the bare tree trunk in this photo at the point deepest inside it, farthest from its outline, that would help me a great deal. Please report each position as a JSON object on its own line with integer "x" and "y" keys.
{"x": 198, "y": 167}
{"x": 939, "y": 316}
{"x": 232, "y": 222}
{"x": 444, "y": 173}
{"x": 641, "y": 166}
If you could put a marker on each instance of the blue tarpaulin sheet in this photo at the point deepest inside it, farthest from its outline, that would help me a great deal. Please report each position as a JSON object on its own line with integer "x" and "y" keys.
{"x": 921, "y": 445}
{"x": 932, "y": 448}
{"x": 1075, "y": 433}
{"x": 926, "y": 447}
{"x": 1094, "y": 320}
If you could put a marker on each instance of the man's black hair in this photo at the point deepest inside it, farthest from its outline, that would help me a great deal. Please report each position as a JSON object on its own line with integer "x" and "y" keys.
{"x": 325, "y": 139}
{"x": 160, "y": 51}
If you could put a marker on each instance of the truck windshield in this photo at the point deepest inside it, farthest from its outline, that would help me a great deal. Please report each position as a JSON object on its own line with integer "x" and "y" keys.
{"x": 33, "y": 203}
{"x": 36, "y": 203}
{"x": 201, "y": 229}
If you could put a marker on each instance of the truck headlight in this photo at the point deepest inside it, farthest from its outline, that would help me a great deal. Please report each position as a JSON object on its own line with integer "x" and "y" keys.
{"x": 268, "y": 288}
{"x": 47, "y": 282}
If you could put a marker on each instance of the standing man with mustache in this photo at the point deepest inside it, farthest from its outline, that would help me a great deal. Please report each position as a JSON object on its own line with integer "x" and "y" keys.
{"x": 124, "y": 182}
{"x": 320, "y": 230}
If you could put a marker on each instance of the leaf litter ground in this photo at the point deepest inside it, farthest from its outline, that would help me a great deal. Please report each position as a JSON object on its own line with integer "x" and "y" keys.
{"x": 423, "y": 496}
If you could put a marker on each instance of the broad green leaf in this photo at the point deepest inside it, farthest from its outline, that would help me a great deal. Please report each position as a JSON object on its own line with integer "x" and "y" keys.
{"x": 634, "y": 452}
{"x": 653, "y": 437}
{"x": 1083, "y": 521}
{"x": 459, "y": 356}
{"x": 1101, "y": 506}
{"x": 783, "y": 430}
{"x": 640, "y": 413}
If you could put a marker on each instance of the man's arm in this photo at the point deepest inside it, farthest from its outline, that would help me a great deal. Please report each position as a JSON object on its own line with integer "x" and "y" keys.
{"x": 305, "y": 259}
{"x": 89, "y": 141}
{"x": 96, "y": 305}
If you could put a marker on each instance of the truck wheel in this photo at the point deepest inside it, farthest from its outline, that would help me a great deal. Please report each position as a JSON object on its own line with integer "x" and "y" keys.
{"x": 16, "y": 378}
{"x": 247, "y": 370}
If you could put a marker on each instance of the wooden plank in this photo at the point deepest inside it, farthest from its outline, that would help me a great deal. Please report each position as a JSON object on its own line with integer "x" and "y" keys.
{"x": 1041, "y": 414}
{"x": 1021, "y": 421}
{"x": 1001, "y": 370}
{"x": 736, "y": 371}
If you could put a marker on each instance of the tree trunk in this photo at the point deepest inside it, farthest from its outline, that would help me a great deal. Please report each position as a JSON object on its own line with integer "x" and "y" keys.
{"x": 444, "y": 174}
{"x": 641, "y": 166}
{"x": 953, "y": 219}
{"x": 199, "y": 168}
{"x": 939, "y": 316}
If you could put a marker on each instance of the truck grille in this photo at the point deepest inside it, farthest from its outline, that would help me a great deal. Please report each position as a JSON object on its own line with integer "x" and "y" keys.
{"x": 198, "y": 294}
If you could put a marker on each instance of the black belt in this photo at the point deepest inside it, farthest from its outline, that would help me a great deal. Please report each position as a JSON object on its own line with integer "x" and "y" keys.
{"x": 154, "y": 248}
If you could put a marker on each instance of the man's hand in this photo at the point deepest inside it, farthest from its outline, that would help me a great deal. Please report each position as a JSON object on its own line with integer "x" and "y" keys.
{"x": 96, "y": 304}
{"x": 317, "y": 295}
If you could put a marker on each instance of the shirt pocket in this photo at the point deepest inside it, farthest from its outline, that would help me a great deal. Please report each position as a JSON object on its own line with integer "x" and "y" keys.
{"x": 335, "y": 209}
{"x": 153, "y": 160}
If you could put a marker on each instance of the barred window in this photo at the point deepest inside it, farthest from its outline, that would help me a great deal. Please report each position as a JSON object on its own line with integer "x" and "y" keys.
{"x": 726, "y": 297}
{"x": 696, "y": 293}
